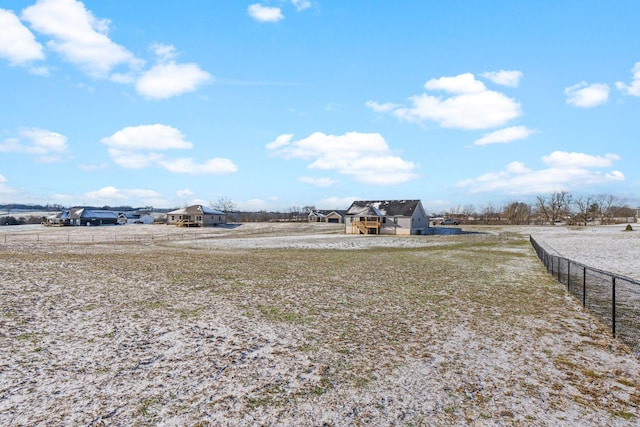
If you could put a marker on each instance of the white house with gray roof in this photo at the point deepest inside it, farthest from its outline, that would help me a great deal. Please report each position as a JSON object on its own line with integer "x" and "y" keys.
{"x": 398, "y": 217}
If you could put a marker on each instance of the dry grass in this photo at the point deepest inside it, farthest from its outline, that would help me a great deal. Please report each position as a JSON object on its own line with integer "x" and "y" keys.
{"x": 462, "y": 330}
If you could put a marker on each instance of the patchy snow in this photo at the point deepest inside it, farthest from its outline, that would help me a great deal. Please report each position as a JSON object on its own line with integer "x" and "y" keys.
{"x": 108, "y": 334}
{"x": 607, "y": 248}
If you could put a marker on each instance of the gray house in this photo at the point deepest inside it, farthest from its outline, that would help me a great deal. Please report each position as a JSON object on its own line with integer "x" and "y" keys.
{"x": 332, "y": 217}
{"x": 399, "y": 217}
{"x": 196, "y": 216}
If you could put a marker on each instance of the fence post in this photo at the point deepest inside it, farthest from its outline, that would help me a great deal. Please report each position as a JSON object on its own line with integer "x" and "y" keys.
{"x": 584, "y": 286}
{"x": 569, "y": 276}
{"x": 613, "y": 306}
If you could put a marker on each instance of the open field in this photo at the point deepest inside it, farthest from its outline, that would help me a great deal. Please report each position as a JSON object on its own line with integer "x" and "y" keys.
{"x": 298, "y": 325}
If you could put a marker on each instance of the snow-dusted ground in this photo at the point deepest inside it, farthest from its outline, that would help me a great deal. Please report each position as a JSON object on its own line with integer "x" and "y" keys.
{"x": 114, "y": 334}
{"x": 607, "y": 248}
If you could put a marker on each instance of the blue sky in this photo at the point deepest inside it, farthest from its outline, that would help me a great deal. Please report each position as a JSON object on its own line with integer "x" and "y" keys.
{"x": 277, "y": 104}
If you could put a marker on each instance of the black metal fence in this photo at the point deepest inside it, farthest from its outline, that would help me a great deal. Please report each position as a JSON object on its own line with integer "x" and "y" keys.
{"x": 613, "y": 298}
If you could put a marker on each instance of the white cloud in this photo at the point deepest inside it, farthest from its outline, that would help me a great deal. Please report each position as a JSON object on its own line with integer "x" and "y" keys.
{"x": 78, "y": 36}
{"x": 336, "y": 202}
{"x": 634, "y": 88}
{"x": 566, "y": 172}
{"x": 46, "y": 146}
{"x": 281, "y": 141}
{"x": 147, "y": 137}
{"x": 504, "y": 78}
{"x": 82, "y": 39}
{"x": 301, "y": 4}
{"x": 164, "y": 81}
{"x": 5, "y": 190}
{"x": 470, "y": 106}
{"x": 137, "y": 147}
{"x": 317, "y": 182}
{"x": 92, "y": 167}
{"x": 17, "y": 43}
{"x": 189, "y": 166}
{"x": 264, "y": 13}
{"x": 462, "y": 83}
{"x": 364, "y": 156}
{"x": 253, "y": 205}
{"x": 185, "y": 194}
{"x": 586, "y": 96}
{"x": 563, "y": 159}
{"x": 132, "y": 160}
{"x": 111, "y": 195}
{"x": 505, "y": 135}
{"x": 164, "y": 52}
{"x": 381, "y": 108}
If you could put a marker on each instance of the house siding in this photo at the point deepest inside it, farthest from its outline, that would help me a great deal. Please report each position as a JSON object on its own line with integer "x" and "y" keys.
{"x": 396, "y": 217}
{"x": 197, "y": 214}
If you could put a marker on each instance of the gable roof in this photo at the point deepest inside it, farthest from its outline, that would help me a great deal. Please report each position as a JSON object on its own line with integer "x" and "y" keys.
{"x": 383, "y": 207}
{"x": 323, "y": 213}
{"x": 190, "y": 210}
{"x": 93, "y": 213}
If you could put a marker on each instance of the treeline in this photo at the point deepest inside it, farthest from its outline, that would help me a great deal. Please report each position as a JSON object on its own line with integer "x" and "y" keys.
{"x": 20, "y": 207}
{"x": 12, "y": 220}
{"x": 550, "y": 209}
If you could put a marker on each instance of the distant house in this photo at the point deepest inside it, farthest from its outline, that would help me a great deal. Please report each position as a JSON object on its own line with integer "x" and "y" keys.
{"x": 61, "y": 219}
{"x": 134, "y": 218}
{"x": 400, "y": 217}
{"x": 196, "y": 216}
{"x": 332, "y": 217}
{"x": 84, "y": 216}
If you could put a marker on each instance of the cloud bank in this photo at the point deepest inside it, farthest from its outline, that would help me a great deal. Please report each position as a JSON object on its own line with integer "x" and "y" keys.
{"x": 138, "y": 147}
{"x": 565, "y": 171}
{"x": 366, "y": 157}
{"x": 467, "y": 104}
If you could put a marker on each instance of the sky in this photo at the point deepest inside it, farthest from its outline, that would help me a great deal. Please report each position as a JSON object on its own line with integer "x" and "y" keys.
{"x": 290, "y": 103}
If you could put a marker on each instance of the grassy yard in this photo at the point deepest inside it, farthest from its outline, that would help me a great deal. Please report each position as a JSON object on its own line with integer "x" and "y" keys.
{"x": 466, "y": 329}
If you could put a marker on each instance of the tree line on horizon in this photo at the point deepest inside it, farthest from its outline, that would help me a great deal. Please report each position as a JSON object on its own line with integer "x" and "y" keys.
{"x": 553, "y": 208}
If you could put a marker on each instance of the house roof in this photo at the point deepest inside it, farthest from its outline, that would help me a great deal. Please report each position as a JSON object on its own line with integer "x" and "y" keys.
{"x": 195, "y": 209}
{"x": 383, "y": 207}
{"x": 93, "y": 213}
{"x": 321, "y": 213}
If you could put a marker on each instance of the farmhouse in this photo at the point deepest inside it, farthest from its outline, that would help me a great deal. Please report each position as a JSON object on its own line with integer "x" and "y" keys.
{"x": 333, "y": 217}
{"x": 196, "y": 216}
{"x": 400, "y": 217}
{"x": 84, "y": 216}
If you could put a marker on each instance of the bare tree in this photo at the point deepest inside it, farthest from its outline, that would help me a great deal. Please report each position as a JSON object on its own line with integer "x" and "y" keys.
{"x": 490, "y": 213}
{"x": 223, "y": 204}
{"x": 297, "y": 213}
{"x": 553, "y": 206}
{"x": 585, "y": 208}
{"x": 468, "y": 211}
{"x": 606, "y": 203}
{"x": 517, "y": 213}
